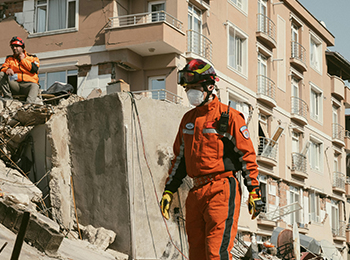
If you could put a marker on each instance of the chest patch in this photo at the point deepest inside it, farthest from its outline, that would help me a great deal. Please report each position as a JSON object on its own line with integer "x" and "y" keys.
{"x": 244, "y": 131}
{"x": 189, "y": 126}
{"x": 210, "y": 124}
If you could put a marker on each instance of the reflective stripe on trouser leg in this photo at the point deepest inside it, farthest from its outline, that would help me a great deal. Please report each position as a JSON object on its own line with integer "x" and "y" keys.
{"x": 231, "y": 223}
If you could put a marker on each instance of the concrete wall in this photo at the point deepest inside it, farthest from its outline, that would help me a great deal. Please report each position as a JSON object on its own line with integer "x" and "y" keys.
{"x": 113, "y": 187}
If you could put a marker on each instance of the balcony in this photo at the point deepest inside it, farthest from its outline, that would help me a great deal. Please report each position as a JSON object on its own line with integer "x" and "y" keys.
{"x": 266, "y": 31}
{"x": 299, "y": 110}
{"x": 337, "y": 87}
{"x": 160, "y": 94}
{"x": 266, "y": 90}
{"x": 339, "y": 182}
{"x": 299, "y": 166}
{"x": 267, "y": 151}
{"x": 199, "y": 44}
{"x": 146, "y": 34}
{"x": 338, "y": 133}
{"x": 339, "y": 233}
{"x": 298, "y": 56}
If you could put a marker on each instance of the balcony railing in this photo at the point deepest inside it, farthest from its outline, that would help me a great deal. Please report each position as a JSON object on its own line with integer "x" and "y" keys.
{"x": 347, "y": 133}
{"x": 144, "y": 18}
{"x": 299, "y": 107}
{"x": 338, "y": 131}
{"x": 199, "y": 44}
{"x": 298, "y": 52}
{"x": 339, "y": 180}
{"x": 266, "y": 26}
{"x": 160, "y": 94}
{"x": 339, "y": 231}
{"x": 299, "y": 162}
{"x": 266, "y": 87}
{"x": 267, "y": 148}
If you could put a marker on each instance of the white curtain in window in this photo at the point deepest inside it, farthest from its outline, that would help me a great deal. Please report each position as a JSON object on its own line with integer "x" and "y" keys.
{"x": 41, "y": 19}
{"x": 57, "y": 14}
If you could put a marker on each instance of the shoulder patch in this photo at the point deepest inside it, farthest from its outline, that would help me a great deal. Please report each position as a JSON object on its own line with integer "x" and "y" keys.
{"x": 189, "y": 126}
{"x": 244, "y": 131}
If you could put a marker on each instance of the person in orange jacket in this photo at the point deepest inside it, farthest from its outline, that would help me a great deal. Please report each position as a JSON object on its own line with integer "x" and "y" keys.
{"x": 19, "y": 73}
{"x": 212, "y": 144}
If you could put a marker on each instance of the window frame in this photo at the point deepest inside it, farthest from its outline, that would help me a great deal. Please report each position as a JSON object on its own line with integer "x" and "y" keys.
{"x": 316, "y": 92}
{"x": 235, "y": 55}
{"x": 55, "y": 31}
{"x": 316, "y": 148}
{"x": 68, "y": 73}
{"x": 318, "y": 52}
{"x": 241, "y": 5}
{"x": 314, "y": 208}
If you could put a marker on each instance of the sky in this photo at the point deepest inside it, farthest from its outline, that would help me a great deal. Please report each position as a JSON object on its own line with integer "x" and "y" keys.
{"x": 335, "y": 14}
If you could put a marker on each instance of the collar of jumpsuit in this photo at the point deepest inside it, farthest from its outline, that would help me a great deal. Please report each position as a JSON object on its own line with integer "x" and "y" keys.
{"x": 209, "y": 106}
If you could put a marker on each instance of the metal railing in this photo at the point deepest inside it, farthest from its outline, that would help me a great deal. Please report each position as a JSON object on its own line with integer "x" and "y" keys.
{"x": 299, "y": 162}
{"x": 266, "y": 26}
{"x": 298, "y": 52}
{"x": 160, "y": 94}
{"x": 266, "y": 86}
{"x": 199, "y": 44}
{"x": 299, "y": 107}
{"x": 144, "y": 18}
{"x": 339, "y": 231}
{"x": 339, "y": 180}
{"x": 267, "y": 148}
{"x": 338, "y": 131}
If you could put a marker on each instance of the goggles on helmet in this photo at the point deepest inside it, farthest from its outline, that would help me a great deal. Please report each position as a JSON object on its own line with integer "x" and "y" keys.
{"x": 185, "y": 77}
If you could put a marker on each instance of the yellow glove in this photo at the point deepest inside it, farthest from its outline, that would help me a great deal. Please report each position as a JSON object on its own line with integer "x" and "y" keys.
{"x": 255, "y": 204}
{"x": 165, "y": 203}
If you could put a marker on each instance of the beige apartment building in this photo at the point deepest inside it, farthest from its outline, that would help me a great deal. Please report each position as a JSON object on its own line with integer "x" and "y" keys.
{"x": 272, "y": 60}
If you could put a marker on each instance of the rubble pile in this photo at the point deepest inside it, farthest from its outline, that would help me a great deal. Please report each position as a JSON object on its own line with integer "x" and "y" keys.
{"x": 18, "y": 194}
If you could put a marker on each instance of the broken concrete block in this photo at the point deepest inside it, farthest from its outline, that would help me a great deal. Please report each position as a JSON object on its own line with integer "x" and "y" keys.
{"x": 12, "y": 215}
{"x": 33, "y": 231}
{"x": 117, "y": 255}
{"x": 3, "y": 209}
{"x": 49, "y": 240}
{"x": 100, "y": 237}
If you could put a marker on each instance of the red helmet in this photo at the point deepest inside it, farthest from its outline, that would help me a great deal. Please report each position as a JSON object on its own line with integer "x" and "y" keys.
{"x": 197, "y": 71}
{"x": 17, "y": 41}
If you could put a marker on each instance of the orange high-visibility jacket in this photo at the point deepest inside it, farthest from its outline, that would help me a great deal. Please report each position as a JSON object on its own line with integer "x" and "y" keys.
{"x": 26, "y": 69}
{"x": 200, "y": 149}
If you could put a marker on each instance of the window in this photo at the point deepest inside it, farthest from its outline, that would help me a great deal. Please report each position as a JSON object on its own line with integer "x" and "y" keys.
{"x": 156, "y": 84}
{"x": 314, "y": 206}
{"x": 264, "y": 191}
{"x": 335, "y": 217}
{"x": 156, "y": 9}
{"x": 295, "y": 41}
{"x": 55, "y": 15}
{"x": 295, "y": 96}
{"x": 237, "y": 50}
{"x": 315, "y": 155}
{"x": 66, "y": 76}
{"x": 194, "y": 29}
{"x": 294, "y": 195}
{"x": 316, "y": 104}
{"x": 240, "y": 4}
{"x": 295, "y": 142}
{"x": 315, "y": 53}
{"x": 239, "y": 105}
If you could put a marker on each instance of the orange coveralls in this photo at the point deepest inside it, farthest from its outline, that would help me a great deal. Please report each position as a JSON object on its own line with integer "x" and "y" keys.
{"x": 27, "y": 69}
{"x": 212, "y": 209}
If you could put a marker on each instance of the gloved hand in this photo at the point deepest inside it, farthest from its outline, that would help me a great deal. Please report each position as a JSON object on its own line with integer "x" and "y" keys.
{"x": 255, "y": 204}
{"x": 165, "y": 203}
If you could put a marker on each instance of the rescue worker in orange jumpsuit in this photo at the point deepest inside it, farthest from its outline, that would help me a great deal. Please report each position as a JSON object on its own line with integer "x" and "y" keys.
{"x": 19, "y": 73}
{"x": 212, "y": 144}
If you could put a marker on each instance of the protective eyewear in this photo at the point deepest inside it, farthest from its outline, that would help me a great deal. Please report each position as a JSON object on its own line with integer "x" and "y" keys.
{"x": 185, "y": 77}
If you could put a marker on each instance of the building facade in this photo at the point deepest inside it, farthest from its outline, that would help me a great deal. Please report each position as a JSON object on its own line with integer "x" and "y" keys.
{"x": 272, "y": 61}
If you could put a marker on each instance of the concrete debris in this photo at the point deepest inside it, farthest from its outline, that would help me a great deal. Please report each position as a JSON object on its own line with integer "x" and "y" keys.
{"x": 99, "y": 237}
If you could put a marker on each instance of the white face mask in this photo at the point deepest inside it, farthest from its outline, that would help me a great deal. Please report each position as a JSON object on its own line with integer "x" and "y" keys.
{"x": 195, "y": 97}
